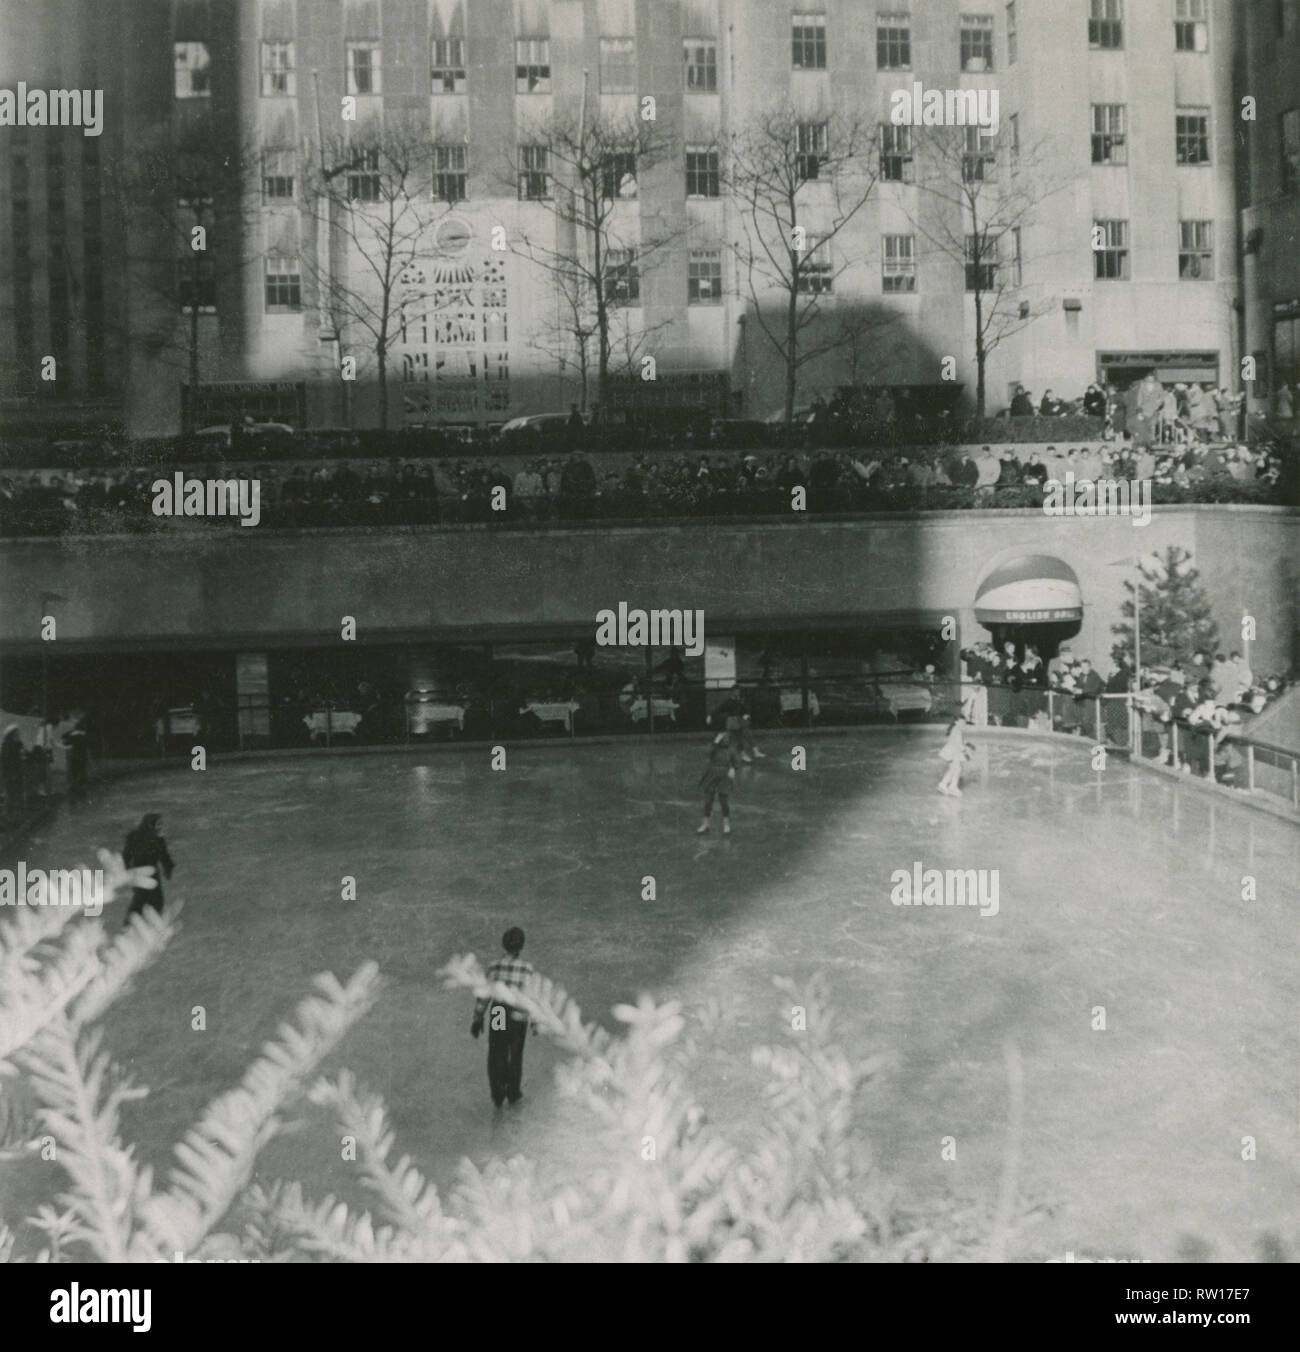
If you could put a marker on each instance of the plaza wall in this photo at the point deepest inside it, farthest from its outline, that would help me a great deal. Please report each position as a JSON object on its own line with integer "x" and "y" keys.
{"x": 237, "y": 588}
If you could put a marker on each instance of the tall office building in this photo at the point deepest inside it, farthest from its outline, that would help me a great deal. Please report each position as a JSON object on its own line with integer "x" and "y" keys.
{"x": 1111, "y": 221}
{"x": 1270, "y": 178}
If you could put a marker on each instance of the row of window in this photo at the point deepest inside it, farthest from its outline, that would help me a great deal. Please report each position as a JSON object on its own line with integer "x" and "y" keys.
{"x": 1110, "y": 134}
{"x": 703, "y": 171}
{"x": 984, "y": 257}
{"x": 449, "y": 67}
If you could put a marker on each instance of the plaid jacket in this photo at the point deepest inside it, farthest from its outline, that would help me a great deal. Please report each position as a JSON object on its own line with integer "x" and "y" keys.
{"x": 511, "y": 972}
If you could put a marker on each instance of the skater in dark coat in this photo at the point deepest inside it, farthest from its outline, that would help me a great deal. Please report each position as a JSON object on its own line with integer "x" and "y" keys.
{"x": 144, "y": 846}
{"x": 716, "y": 781}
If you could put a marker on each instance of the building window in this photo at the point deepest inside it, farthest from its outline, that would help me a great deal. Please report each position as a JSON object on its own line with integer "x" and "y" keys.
{"x": 976, "y": 42}
{"x": 283, "y": 284}
{"x": 810, "y": 149}
{"x": 1014, "y": 144}
{"x": 450, "y": 173}
{"x": 895, "y": 153}
{"x": 1105, "y": 24}
{"x": 533, "y": 66}
{"x": 448, "y": 66}
{"x": 1109, "y": 138}
{"x": 702, "y": 177}
{"x": 363, "y": 176}
{"x": 277, "y": 175}
{"x": 898, "y": 263}
{"x": 1195, "y": 251}
{"x": 981, "y": 262}
{"x": 193, "y": 76}
{"x": 704, "y": 277}
{"x": 363, "y": 68}
{"x": 1192, "y": 135}
{"x": 1011, "y": 35}
{"x": 701, "y": 65}
{"x": 1017, "y": 266}
{"x": 1288, "y": 17}
{"x": 1290, "y": 143}
{"x": 978, "y": 156}
{"x": 808, "y": 41}
{"x": 893, "y": 42}
{"x": 278, "y": 78}
{"x": 1110, "y": 259}
{"x": 622, "y": 279}
{"x": 814, "y": 274}
{"x": 617, "y": 66}
{"x": 618, "y": 175}
{"x": 534, "y": 173}
{"x": 197, "y": 283}
{"x": 1191, "y": 26}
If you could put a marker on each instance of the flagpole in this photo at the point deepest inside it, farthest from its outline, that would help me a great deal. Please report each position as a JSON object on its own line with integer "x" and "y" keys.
{"x": 1137, "y": 632}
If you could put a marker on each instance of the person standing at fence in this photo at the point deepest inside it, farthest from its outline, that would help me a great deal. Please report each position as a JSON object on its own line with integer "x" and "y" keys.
{"x": 716, "y": 781}
{"x": 507, "y": 1023}
{"x": 145, "y": 847}
{"x": 77, "y": 746}
{"x": 13, "y": 771}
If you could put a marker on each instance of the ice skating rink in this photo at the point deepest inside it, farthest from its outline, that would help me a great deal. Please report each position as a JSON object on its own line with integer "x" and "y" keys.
{"x": 1118, "y": 889}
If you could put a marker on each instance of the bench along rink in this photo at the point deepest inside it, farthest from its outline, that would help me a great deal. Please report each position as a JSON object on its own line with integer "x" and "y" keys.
{"x": 1118, "y": 890}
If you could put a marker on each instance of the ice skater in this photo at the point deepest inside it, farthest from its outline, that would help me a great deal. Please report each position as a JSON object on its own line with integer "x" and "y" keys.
{"x": 716, "y": 781}
{"x": 737, "y": 722}
{"x": 956, "y": 750}
{"x": 507, "y": 1024}
{"x": 145, "y": 847}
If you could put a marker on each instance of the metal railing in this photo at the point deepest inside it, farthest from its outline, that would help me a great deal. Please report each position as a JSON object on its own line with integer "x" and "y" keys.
{"x": 1221, "y": 754}
{"x": 791, "y": 701}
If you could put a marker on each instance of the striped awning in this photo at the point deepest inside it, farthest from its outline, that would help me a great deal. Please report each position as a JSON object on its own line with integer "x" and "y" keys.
{"x": 1029, "y": 589}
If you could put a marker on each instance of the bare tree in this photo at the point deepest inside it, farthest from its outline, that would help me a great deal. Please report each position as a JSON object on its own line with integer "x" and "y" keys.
{"x": 979, "y": 195}
{"x": 797, "y": 184}
{"x": 373, "y": 192}
{"x": 186, "y": 204}
{"x": 572, "y": 334}
{"x": 587, "y": 167}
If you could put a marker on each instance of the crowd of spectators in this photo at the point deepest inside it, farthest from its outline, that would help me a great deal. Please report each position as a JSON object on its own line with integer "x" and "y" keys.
{"x": 1149, "y": 412}
{"x": 1205, "y": 699}
{"x": 580, "y": 487}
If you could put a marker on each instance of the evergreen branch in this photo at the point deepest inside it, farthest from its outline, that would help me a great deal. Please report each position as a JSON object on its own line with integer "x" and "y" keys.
{"x": 283, "y": 1225}
{"x": 408, "y": 1198}
{"x": 41, "y": 995}
{"x": 123, "y": 959}
{"x": 75, "y": 1082}
{"x": 216, "y": 1156}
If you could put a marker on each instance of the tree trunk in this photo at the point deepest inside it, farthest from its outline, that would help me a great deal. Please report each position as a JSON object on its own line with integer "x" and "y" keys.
{"x": 981, "y": 356}
{"x": 791, "y": 343}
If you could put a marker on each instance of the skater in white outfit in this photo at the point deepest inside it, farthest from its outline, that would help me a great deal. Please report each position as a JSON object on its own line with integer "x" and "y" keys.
{"x": 956, "y": 750}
